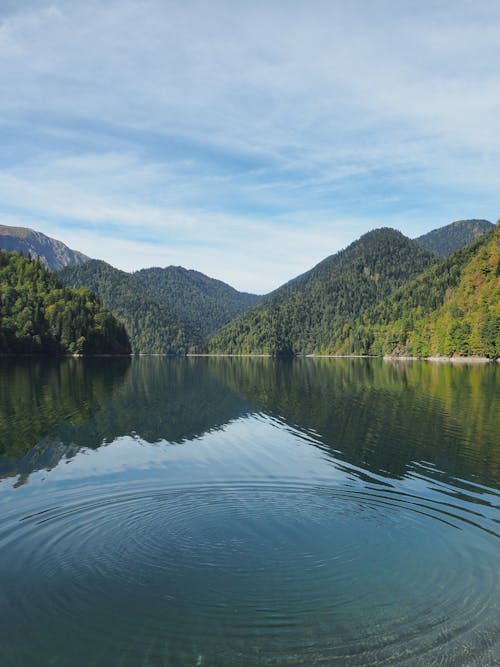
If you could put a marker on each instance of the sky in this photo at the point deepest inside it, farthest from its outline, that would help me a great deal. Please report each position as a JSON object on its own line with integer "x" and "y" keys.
{"x": 247, "y": 140}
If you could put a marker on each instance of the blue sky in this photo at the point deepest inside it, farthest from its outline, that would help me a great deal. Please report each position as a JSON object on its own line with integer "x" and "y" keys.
{"x": 247, "y": 140}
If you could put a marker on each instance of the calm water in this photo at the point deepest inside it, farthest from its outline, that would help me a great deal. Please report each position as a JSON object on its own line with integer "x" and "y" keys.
{"x": 226, "y": 512}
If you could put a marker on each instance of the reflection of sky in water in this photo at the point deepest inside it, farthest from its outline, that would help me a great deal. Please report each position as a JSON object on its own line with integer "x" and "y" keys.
{"x": 255, "y": 447}
{"x": 249, "y": 449}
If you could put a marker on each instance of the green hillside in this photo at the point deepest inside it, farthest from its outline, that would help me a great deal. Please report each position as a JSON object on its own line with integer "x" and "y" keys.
{"x": 204, "y": 303}
{"x": 301, "y": 316}
{"x": 454, "y": 236}
{"x": 451, "y": 309}
{"x": 39, "y": 315}
{"x": 151, "y": 328}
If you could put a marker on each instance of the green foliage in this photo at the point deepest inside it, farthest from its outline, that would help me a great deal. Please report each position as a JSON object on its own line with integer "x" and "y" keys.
{"x": 446, "y": 240}
{"x": 203, "y": 303}
{"x": 453, "y": 308}
{"x": 151, "y": 327}
{"x": 304, "y": 315}
{"x": 39, "y": 315}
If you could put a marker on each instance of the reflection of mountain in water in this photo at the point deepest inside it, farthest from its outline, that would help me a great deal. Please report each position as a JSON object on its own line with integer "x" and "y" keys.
{"x": 382, "y": 416}
{"x": 49, "y": 410}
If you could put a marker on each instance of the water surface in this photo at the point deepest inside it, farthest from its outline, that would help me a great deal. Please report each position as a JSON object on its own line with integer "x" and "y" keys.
{"x": 249, "y": 512}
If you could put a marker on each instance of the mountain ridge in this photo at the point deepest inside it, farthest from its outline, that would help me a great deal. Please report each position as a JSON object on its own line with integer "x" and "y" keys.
{"x": 299, "y": 317}
{"x": 453, "y": 308}
{"x": 447, "y": 239}
{"x": 151, "y": 328}
{"x": 174, "y": 310}
{"x": 53, "y": 253}
{"x": 205, "y": 303}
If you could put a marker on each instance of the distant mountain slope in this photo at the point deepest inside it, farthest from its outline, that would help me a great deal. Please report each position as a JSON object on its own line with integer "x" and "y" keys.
{"x": 54, "y": 254}
{"x": 447, "y": 239}
{"x": 152, "y": 328}
{"x": 301, "y": 316}
{"x": 39, "y": 315}
{"x": 204, "y": 303}
{"x": 452, "y": 308}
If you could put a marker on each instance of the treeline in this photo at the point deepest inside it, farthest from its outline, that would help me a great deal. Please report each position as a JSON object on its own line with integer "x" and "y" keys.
{"x": 39, "y": 315}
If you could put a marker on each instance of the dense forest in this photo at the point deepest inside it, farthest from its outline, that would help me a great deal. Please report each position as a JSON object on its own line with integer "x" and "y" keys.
{"x": 302, "y": 316}
{"x": 451, "y": 309}
{"x": 151, "y": 328}
{"x": 449, "y": 238}
{"x": 383, "y": 294}
{"x": 204, "y": 303}
{"x": 39, "y": 315}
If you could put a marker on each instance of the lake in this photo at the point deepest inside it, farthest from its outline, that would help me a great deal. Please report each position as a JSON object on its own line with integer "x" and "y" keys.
{"x": 224, "y": 512}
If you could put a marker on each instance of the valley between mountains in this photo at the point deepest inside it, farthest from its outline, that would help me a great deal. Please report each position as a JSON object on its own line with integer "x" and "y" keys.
{"x": 384, "y": 294}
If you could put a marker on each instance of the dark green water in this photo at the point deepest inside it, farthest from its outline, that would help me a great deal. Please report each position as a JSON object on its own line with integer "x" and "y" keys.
{"x": 226, "y": 512}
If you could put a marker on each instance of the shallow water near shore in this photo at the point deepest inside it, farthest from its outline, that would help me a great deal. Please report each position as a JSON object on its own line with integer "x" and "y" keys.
{"x": 225, "y": 511}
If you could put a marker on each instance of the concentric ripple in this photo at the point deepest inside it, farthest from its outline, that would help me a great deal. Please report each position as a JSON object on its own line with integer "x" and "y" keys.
{"x": 247, "y": 573}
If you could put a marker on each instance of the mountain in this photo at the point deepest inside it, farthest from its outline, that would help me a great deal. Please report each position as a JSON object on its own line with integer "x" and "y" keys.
{"x": 54, "y": 254}
{"x": 151, "y": 327}
{"x": 39, "y": 315}
{"x": 453, "y": 308}
{"x": 302, "y": 316}
{"x": 446, "y": 240}
{"x": 204, "y": 303}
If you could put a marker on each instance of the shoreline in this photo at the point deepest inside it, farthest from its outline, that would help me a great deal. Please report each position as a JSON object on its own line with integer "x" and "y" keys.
{"x": 385, "y": 357}
{"x": 445, "y": 360}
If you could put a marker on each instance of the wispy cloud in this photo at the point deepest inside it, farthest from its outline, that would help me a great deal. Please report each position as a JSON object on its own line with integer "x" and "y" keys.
{"x": 245, "y": 139}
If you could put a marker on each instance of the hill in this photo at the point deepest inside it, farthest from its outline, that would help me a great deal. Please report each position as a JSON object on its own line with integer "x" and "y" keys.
{"x": 53, "y": 254}
{"x": 39, "y": 315}
{"x": 151, "y": 328}
{"x": 446, "y": 240}
{"x": 451, "y": 309}
{"x": 204, "y": 303}
{"x": 301, "y": 316}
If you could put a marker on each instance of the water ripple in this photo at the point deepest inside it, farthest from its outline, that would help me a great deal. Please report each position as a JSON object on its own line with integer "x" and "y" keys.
{"x": 246, "y": 573}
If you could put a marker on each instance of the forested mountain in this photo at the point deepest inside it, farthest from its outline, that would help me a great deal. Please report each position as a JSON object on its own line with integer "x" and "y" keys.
{"x": 302, "y": 316}
{"x": 446, "y": 240}
{"x": 204, "y": 303}
{"x": 54, "y": 254}
{"x": 451, "y": 309}
{"x": 39, "y": 315}
{"x": 152, "y": 328}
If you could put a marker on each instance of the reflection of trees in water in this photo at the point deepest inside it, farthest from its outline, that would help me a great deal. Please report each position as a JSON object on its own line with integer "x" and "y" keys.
{"x": 172, "y": 399}
{"x": 50, "y": 410}
{"x": 376, "y": 415}
{"x": 382, "y": 416}
{"x": 37, "y": 395}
